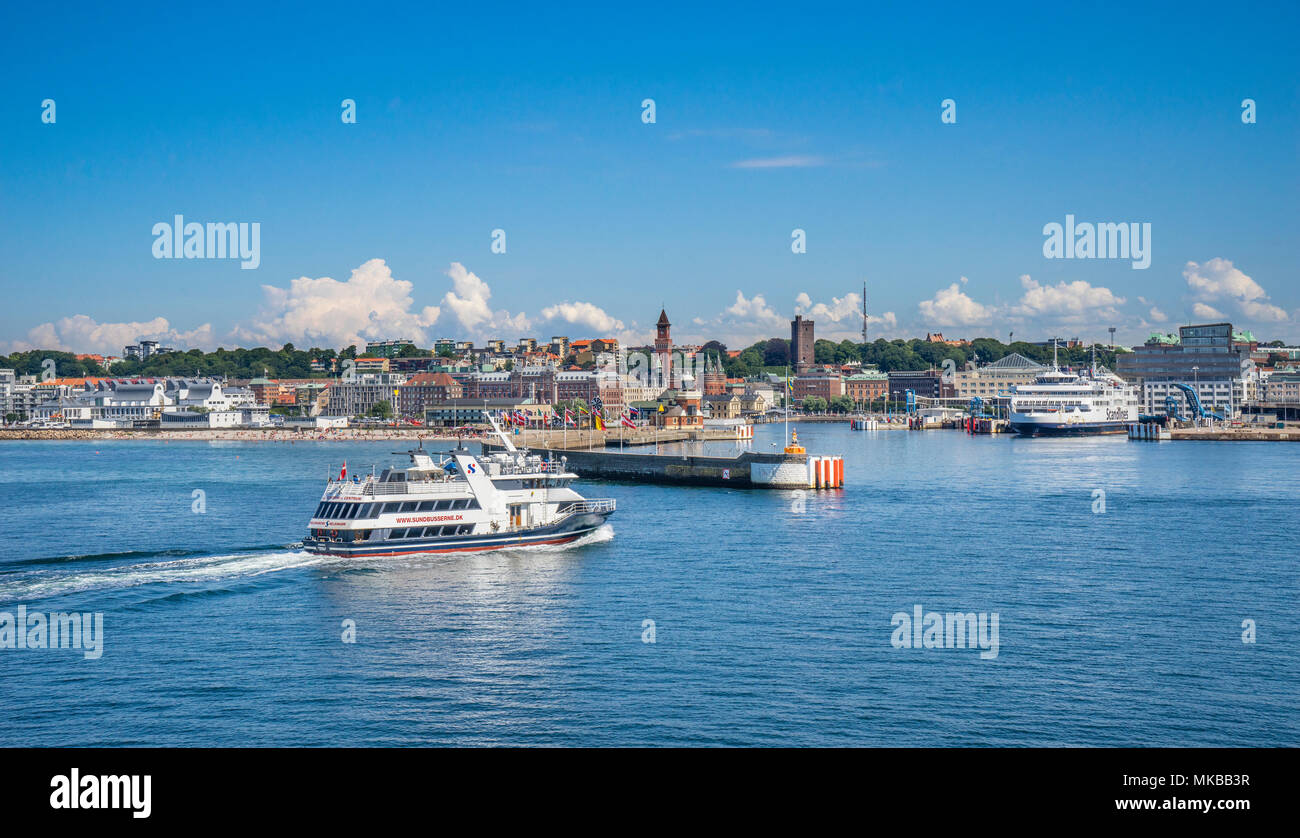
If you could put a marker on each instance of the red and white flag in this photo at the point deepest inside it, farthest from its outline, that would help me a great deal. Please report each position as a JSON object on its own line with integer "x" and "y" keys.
{"x": 627, "y": 423}
{"x": 343, "y": 475}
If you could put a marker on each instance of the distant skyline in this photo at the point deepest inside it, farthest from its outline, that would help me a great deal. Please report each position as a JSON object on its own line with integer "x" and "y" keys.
{"x": 525, "y": 129}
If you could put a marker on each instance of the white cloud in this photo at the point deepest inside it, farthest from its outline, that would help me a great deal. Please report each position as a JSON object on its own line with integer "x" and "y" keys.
{"x": 369, "y": 305}
{"x": 1218, "y": 280}
{"x": 755, "y": 310}
{"x": 1207, "y": 312}
{"x": 81, "y": 333}
{"x": 841, "y": 319}
{"x": 469, "y": 301}
{"x": 952, "y": 307}
{"x": 1067, "y": 302}
{"x": 1157, "y": 315}
{"x": 588, "y": 315}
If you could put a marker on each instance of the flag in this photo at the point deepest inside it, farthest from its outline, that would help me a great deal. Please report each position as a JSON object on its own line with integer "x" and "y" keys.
{"x": 568, "y": 417}
{"x": 600, "y": 424}
{"x": 582, "y": 409}
{"x": 343, "y": 475}
{"x": 632, "y": 411}
{"x": 628, "y": 423}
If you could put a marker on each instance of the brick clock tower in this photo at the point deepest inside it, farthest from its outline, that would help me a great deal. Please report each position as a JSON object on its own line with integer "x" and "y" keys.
{"x": 664, "y": 348}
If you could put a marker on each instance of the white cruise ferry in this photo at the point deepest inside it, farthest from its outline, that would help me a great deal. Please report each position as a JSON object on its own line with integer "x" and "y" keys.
{"x": 1067, "y": 403}
{"x": 462, "y": 502}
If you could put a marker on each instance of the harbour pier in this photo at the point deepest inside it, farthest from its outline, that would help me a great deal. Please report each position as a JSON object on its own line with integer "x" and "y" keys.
{"x": 747, "y": 470}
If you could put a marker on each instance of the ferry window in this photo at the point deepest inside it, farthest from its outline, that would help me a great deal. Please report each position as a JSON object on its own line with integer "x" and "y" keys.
{"x": 368, "y": 511}
{"x": 320, "y": 510}
{"x": 425, "y": 506}
{"x": 443, "y": 505}
{"x": 459, "y": 504}
{"x": 408, "y": 506}
{"x": 472, "y": 503}
{"x": 390, "y": 508}
{"x": 350, "y": 510}
{"x": 399, "y": 533}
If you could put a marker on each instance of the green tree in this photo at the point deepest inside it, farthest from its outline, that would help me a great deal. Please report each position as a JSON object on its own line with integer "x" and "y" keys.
{"x": 840, "y": 404}
{"x": 382, "y": 410}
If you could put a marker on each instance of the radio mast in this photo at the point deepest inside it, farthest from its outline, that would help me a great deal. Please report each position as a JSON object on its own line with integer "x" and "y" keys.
{"x": 864, "y": 312}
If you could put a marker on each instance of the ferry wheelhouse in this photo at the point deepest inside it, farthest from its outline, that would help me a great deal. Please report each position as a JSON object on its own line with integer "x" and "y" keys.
{"x": 461, "y": 502}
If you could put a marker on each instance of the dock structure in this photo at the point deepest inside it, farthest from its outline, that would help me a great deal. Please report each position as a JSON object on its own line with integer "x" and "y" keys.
{"x": 748, "y": 470}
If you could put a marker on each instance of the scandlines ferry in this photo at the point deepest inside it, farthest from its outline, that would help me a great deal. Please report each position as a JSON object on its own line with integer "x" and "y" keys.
{"x": 460, "y": 503}
{"x": 1069, "y": 404}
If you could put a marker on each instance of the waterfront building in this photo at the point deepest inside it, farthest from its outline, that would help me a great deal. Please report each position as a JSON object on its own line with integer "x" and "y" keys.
{"x": 270, "y": 392}
{"x": 456, "y": 412}
{"x": 370, "y": 364}
{"x": 358, "y": 395}
{"x": 1213, "y": 359}
{"x": 995, "y": 379}
{"x": 678, "y": 410}
{"x": 424, "y": 390}
{"x": 1281, "y": 387}
{"x": 801, "y": 343}
{"x": 756, "y": 403}
{"x": 8, "y": 381}
{"x": 820, "y": 382}
{"x": 723, "y": 406}
{"x": 924, "y": 383}
{"x": 866, "y": 387}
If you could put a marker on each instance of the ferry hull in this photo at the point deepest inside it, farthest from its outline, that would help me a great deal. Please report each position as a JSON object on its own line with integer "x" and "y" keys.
{"x": 1068, "y": 428}
{"x": 564, "y": 532}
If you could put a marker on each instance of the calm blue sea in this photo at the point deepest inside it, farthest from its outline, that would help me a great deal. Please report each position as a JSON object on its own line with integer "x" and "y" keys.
{"x": 772, "y": 609}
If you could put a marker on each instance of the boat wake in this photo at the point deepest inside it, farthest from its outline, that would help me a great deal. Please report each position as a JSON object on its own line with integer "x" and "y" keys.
{"x": 69, "y": 579}
{"x": 62, "y": 577}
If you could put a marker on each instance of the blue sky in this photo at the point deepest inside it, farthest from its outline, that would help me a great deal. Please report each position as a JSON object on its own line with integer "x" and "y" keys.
{"x": 528, "y": 119}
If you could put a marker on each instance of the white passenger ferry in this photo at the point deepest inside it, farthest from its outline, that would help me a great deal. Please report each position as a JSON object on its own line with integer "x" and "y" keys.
{"x": 1067, "y": 403}
{"x": 462, "y": 502}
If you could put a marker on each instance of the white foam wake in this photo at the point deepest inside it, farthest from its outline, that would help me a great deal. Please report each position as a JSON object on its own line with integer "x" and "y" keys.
{"x": 39, "y": 584}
